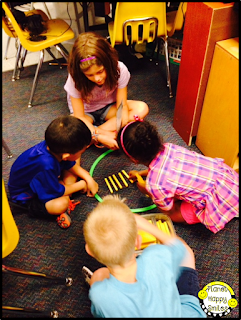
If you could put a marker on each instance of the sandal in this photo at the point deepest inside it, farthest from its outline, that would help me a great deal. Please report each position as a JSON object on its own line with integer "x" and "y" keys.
{"x": 64, "y": 220}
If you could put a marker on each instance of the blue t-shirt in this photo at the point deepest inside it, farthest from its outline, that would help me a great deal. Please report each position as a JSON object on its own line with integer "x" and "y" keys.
{"x": 153, "y": 295}
{"x": 36, "y": 172}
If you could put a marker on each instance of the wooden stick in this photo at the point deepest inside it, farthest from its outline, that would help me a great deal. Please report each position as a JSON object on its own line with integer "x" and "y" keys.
{"x": 122, "y": 178}
{"x": 117, "y": 181}
{"x": 108, "y": 185}
{"x": 113, "y": 183}
{"x": 127, "y": 176}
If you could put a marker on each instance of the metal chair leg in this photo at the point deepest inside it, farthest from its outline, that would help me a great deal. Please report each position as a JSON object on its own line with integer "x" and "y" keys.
{"x": 9, "y": 153}
{"x": 52, "y": 55}
{"x": 15, "y": 75}
{"x": 6, "y": 51}
{"x": 30, "y": 312}
{"x": 167, "y": 67}
{"x": 41, "y": 58}
{"x": 37, "y": 275}
{"x": 62, "y": 51}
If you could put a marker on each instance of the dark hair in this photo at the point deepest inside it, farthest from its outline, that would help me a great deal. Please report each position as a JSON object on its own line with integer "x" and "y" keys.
{"x": 141, "y": 140}
{"x": 67, "y": 134}
{"x": 33, "y": 23}
{"x": 91, "y": 44}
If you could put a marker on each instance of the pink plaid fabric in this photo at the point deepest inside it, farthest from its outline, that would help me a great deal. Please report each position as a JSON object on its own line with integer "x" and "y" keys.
{"x": 207, "y": 183}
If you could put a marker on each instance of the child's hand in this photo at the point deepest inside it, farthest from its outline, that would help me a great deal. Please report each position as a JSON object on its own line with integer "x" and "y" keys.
{"x": 108, "y": 142}
{"x": 92, "y": 188}
{"x": 132, "y": 175}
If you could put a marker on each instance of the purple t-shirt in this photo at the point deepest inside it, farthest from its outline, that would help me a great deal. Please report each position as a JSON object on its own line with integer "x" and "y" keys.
{"x": 100, "y": 96}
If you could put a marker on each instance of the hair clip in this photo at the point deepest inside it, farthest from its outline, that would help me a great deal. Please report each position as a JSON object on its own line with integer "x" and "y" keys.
{"x": 137, "y": 118}
{"x": 89, "y": 58}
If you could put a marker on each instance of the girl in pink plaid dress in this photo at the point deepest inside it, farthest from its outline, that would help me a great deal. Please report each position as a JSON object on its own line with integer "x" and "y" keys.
{"x": 188, "y": 186}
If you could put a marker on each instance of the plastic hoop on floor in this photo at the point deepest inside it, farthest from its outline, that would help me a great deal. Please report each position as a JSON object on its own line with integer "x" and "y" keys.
{"x": 153, "y": 206}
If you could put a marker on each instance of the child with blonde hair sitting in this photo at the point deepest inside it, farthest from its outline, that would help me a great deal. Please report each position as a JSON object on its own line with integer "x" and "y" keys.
{"x": 161, "y": 282}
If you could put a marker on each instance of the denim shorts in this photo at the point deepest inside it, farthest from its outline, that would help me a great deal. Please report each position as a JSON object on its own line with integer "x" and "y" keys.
{"x": 188, "y": 282}
{"x": 99, "y": 116}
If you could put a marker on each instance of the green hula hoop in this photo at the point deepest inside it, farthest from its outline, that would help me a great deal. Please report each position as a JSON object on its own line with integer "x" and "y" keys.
{"x": 152, "y": 206}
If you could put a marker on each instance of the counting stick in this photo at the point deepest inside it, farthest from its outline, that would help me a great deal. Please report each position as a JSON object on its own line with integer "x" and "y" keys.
{"x": 117, "y": 181}
{"x": 113, "y": 183}
{"x": 166, "y": 227}
{"x": 122, "y": 178}
{"x": 127, "y": 176}
{"x": 108, "y": 185}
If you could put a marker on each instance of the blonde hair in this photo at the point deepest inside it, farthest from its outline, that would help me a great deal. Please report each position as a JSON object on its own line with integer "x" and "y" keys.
{"x": 110, "y": 231}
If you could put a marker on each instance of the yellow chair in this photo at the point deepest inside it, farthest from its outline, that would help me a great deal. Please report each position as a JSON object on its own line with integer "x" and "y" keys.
{"x": 57, "y": 31}
{"x": 10, "y": 239}
{"x": 138, "y": 23}
{"x": 175, "y": 19}
{"x": 8, "y": 28}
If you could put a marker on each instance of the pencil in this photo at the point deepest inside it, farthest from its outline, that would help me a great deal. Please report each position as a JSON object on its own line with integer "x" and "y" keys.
{"x": 117, "y": 181}
{"x": 122, "y": 178}
{"x": 127, "y": 176}
{"x": 113, "y": 183}
{"x": 108, "y": 185}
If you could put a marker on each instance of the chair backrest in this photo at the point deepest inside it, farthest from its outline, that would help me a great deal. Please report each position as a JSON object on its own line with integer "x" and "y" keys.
{"x": 181, "y": 11}
{"x": 10, "y": 233}
{"x": 175, "y": 19}
{"x": 8, "y": 28}
{"x": 138, "y": 22}
{"x": 14, "y": 23}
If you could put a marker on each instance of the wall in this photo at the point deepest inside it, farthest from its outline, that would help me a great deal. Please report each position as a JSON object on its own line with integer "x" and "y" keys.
{"x": 55, "y": 10}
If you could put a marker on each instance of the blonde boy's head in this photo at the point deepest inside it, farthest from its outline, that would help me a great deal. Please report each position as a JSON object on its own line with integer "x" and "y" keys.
{"x": 110, "y": 232}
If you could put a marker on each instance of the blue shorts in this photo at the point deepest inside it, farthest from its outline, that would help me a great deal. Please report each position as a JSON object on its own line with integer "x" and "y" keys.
{"x": 188, "y": 282}
{"x": 99, "y": 116}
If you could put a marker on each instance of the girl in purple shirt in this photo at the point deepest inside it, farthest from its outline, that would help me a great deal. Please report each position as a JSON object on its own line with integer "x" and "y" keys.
{"x": 96, "y": 86}
{"x": 188, "y": 186}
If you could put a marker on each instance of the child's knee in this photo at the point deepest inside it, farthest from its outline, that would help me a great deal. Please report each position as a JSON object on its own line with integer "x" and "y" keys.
{"x": 57, "y": 206}
{"x": 144, "y": 109}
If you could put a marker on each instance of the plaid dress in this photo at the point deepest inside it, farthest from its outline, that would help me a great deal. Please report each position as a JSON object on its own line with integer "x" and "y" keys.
{"x": 211, "y": 186}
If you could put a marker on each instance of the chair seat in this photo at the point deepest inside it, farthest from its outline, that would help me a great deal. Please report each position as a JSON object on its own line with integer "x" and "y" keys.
{"x": 57, "y": 31}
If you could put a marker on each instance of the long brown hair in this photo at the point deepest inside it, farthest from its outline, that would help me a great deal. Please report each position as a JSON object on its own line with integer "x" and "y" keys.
{"x": 91, "y": 44}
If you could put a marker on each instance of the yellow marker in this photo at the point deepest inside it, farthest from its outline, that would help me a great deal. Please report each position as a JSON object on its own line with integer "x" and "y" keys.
{"x": 122, "y": 178}
{"x": 127, "y": 176}
{"x": 108, "y": 185}
{"x": 113, "y": 183}
{"x": 117, "y": 181}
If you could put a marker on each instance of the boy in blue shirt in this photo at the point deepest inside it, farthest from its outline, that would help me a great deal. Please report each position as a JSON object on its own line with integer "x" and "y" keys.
{"x": 43, "y": 177}
{"x": 161, "y": 282}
